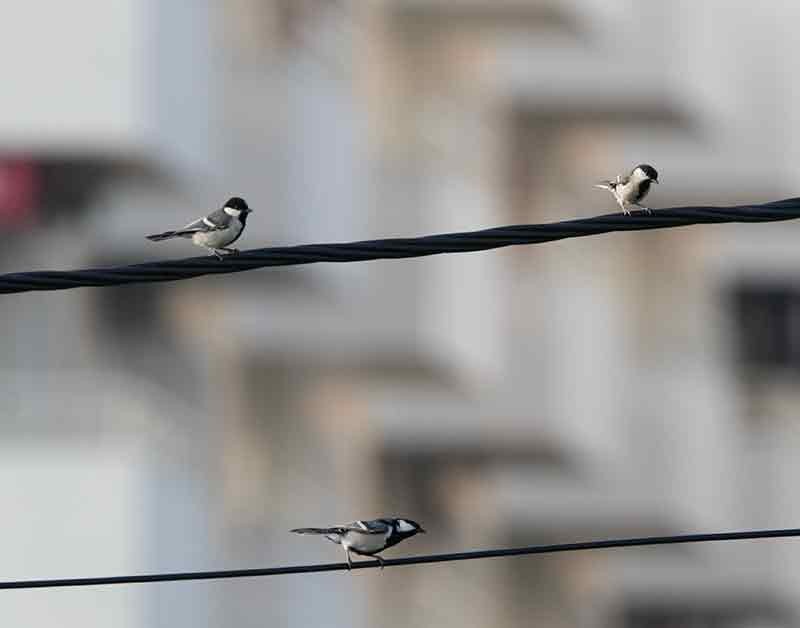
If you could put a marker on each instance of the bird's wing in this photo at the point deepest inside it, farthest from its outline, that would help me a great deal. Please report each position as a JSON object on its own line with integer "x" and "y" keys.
{"x": 606, "y": 185}
{"x": 215, "y": 221}
{"x": 196, "y": 226}
{"x": 368, "y": 527}
{"x": 613, "y": 183}
{"x": 219, "y": 218}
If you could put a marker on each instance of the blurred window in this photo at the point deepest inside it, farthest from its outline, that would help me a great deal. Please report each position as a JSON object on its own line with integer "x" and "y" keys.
{"x": 767, "y": 324}
{"x": 729, "y": 616}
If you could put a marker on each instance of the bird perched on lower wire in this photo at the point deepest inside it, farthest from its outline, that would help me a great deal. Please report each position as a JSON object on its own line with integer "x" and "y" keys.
{"x": 629, "y": 190}
{"x": 215, "y": 232}
{"x": 367, "y": 538}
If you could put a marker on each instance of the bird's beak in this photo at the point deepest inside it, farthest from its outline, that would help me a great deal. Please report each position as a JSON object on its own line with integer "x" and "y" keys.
{"x": 656, "y": 180}
{"x": 422, "y": 531}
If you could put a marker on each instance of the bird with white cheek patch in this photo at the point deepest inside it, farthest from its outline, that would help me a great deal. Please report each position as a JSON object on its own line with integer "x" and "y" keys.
{"x": 367, "y": 537}
{"x": 629, "y": 190}
{"x": 215, "y": 232}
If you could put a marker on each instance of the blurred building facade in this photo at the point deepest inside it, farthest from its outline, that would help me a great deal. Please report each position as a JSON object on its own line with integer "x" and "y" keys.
{"x": 621, "y": 385}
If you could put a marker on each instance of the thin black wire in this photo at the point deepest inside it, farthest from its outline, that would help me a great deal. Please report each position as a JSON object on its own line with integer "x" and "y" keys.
{"x": 411, "y": 560}
{"x": 395, "y": 248}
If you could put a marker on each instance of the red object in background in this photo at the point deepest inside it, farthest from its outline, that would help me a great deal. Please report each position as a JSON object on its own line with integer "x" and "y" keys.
{"x": 19, "y": 193}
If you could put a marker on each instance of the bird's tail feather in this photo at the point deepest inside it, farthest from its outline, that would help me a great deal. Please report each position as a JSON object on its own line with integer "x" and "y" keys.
{"x": 316, "y": 530}
{"x": 166, "y": 235}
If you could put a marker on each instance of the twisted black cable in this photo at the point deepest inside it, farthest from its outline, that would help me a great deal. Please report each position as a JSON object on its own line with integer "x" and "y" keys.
{"x": 410, "y": 560}
{"x": 396, "y": 248}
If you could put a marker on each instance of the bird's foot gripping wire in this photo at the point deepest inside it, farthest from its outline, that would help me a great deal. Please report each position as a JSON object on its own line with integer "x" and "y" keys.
{"x": 220, "y": 255}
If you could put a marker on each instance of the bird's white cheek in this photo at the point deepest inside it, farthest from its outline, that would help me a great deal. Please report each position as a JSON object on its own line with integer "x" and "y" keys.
{"x": 404, "y": 526}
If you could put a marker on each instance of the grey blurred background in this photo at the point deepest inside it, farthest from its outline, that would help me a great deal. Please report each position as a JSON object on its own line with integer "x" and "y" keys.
{"x": 616, "y": 385}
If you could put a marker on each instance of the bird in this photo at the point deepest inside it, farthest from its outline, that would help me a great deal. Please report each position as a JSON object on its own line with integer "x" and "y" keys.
{"x": 629, "y": 190}
{"x": 215, "y": 232}
{"x": 367, "y": 537}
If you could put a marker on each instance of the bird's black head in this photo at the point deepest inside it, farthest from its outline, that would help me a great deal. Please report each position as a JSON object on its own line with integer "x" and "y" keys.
{"x": 405, "y": 528}
{"x": 647, "y": 171}
{"x": 238, "y": 204}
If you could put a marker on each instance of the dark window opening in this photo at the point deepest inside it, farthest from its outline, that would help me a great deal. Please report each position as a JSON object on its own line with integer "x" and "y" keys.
{"x": 767, "y": 325}
{"x": 731, "y": 615}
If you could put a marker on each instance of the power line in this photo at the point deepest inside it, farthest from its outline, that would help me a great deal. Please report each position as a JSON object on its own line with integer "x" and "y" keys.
{"x": 411, "y": 560}
{"x": 396, "y": 248}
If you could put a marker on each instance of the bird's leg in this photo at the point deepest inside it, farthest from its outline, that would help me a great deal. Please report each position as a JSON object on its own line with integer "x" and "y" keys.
{"x": 621, "y": 202}
{"x": 380, "y": 560}
{"x": 349, "y": 562}
{"x": 214, "y": 252}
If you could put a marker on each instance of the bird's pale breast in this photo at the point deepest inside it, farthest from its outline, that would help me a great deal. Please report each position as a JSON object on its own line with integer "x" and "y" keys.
{"x": 217, "y": 239}
{"x": 365, "y": 542}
